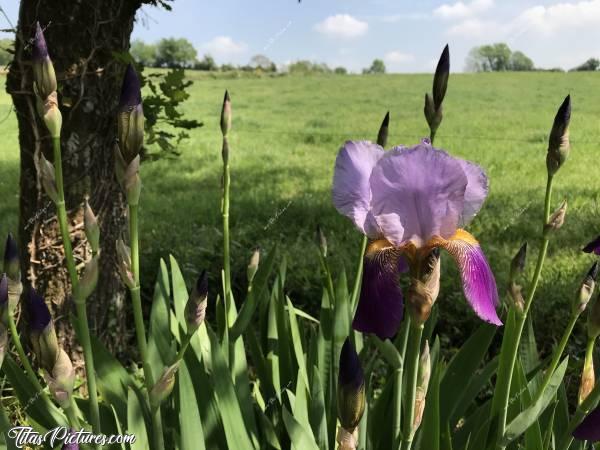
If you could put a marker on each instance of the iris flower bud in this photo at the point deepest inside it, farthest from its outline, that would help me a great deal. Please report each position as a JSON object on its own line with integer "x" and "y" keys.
{"x": 382, "y": 136}
{"x": 422, "y": 385}
{"x": 558, "y": 143}
{"x": 61, "y": 378}
{"x": 133, "y": 182}
{"x": 423, "y": 292}
{"x": 92, "y": 230}
{"x": 556, "y": 220}
{"x": 588, "y": 376}
{"x": 48, "y": 178}
{"x": 440, "y": 79}
{"x": 164, "y": 386}
{"x": 195, "y": 308}
{"x": 13, "y": 272}
{"x": 593, "y": 322}
{"x": 586, "y": 289}
{"x": 124, "y": 264}
{"x": 43, "y": 70}
{"x": 131, "y": 116}
{"x": 517, "y": 266}
{"x": 322, "y": 241}
{"x": 432, "y": 115}
{"x": 88, "y": 280}
{"x": 253, "y": 265}
{"x": 226, "y": 114}
{"x": 43, "y": 336}
{"x": 351, "y": 388}
{"x": 593, "y": 247}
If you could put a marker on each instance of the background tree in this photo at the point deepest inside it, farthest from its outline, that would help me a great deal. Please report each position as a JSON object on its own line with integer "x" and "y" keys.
{"x": 6, "y": 49}
{"x": 377, "y": 66}
{"x": 519, "y": 61}
{"x": 261, "y": 62}
{"x": 590, "y": 65}
{"x": 172, "y": 52}
{"x": 206, "y": 63}
{"x": 340, "y": 70}
{"x": 82, "y": 39}
{"x": 142, "y": 53}
{"x": 497, "y": 58}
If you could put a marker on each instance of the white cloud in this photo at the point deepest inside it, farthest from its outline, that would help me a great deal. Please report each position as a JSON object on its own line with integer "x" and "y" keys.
{"x": 476, "y": 29}
{"x": 461, "y": 10}
{"x": 224, "y": 46}
{"x": 342, "y": 26}
{"x": 397, "y": 57}
{"x": 561, "y": 16}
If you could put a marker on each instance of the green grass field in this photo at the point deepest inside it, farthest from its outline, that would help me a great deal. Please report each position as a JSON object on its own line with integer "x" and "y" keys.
{"x": 286, "y": 133}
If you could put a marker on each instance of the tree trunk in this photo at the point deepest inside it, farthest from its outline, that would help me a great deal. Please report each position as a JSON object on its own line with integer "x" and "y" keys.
{"x": 82, "y": 36}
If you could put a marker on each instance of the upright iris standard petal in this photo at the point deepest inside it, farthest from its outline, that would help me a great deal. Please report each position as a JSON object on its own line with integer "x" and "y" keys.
{"x": 478, "y": 280}
{"x": 418, "y": 193}
{"x": 380, "y": 304}
{"x": 351, "y": 189}
{"x": 475, "y": 193}
{"x": 593, "y": 247}
{"x": 589, "y": 429}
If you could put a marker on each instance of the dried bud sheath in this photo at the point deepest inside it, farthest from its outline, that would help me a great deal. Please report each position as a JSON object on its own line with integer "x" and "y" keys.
{"x": 195, "y": 308}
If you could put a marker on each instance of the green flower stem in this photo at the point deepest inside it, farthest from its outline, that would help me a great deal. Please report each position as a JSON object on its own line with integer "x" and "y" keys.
{"x": 401, "y": 344}
{"x": 22, "y": 356}
{"x": 431, "y": 136}
{"x": 82, "y": 321}
{"x": 185, "y": 344}
{"x": 358, "y": 278}
{"x": 558, "y": 352}
{"x": 225, "y": 215}
{"x": 72, "y": 415}
{"x": 328, "y": 279}
{"x": 413, "y": 352}
{"x": 502, "y": 392}
{"x": 140, "y": 329}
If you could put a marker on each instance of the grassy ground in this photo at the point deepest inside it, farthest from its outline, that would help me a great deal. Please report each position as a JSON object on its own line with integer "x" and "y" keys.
{"x": 286, "y": 133}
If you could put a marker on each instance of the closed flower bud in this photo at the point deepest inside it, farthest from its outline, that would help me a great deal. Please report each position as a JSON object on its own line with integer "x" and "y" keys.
{"x": 593, "y": 322}
{"x": 351, "y": 388}
{"x": 586, "y": 289}
{"x": 131, "y": 116}
{"x": 588, "y": 378}
{"x": 124, "y": 264}
{"x": 253, "y": 265}
{"x": 132, "y": 183}
{"x": 440, "y": 79}
{"x": 433, "y": 115}
{"x": 92, "y": 230}
{"x": 164, "y": 386}
{"x": 556, "y": 220}
{"x": 43, "y": 336}
{"x": 195, "y": 308}
{"x": 43, "y": 70}
{"x": 226, "y": 114}
{"x": 422, "y": 385}
{"x": 558, "y": 143}
{"x": 88, "y": 280}
{"x": 52, "y": 116}
{"x": 321, "y": 241}
{"x": 382, "y": 136}
{"x": 61, "y": 378}
{"x": 48, "y": 179}
{"x": 517, "y": 265}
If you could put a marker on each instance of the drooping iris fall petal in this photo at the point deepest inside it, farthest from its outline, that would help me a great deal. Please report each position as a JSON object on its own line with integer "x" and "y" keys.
{"x": 589, "y": 429}
{"x": 593, "y": 247}
{"x": 418, "y": 193}
{"x": 478, "y": 280}
{"x": 380, "y": 304}
{"x": 351, "y": 188}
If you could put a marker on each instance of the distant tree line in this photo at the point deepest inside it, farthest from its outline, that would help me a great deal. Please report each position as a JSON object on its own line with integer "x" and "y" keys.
{"x": 591, "y": 65}
{"x": 497, "y": 58}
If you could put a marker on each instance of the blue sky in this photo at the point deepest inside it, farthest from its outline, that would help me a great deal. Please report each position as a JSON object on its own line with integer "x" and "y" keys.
{"x": 408, "y": 35}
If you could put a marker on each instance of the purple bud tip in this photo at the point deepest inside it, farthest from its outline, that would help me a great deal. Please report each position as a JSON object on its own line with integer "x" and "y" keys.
{"x": 593, "y": 272}
{"x": 71, "y": 445}
{"x": 589, "y": 429}
{"x": 11, "y": 251}
{"x": 40, "y": 49}
{"x": 3, "y": 290}
{"x": 563, "y": 115}
{"x": 444, "y": 62}
{"x": 386, "y": 120}
{"x": 593, "y": 247}
{"x": 202, "y": 284}
{"x": 131, "y": 93}
{"x": 39, "y": 315}
{"x": 351, "y": 372}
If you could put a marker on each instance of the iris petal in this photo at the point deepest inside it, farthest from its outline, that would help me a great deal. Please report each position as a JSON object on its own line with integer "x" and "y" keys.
{"x": 593, "y": 247}
{"x": 589, "y": 429}
{"x": 418, "y": 193}
{"x": 476, "y": 191}
{"x": 351, "y": 189}
{"x": 380, "y": 304}
{"x": 478, "y": 280}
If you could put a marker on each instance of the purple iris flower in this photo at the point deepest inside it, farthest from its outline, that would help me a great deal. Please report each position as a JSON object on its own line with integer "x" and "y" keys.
{"x": 39, "y": 314}
{"x": 589, "y": 429}
{"x": 593, "y": 247}
{"x": 40, "y": 49}
{"x": 131, "y": 95}
{"x": 409, "y": 201}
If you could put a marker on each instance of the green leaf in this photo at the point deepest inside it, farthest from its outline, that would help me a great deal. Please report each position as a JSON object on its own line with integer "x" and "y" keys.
{"x": 524, "y": 420}
{"x": 229, "y": 408}
{"x": 297, "y": 343}
{"x": 192, "y": 435}
{"x": 161, "y": 351}
{"x": 317, "y": 412}
{"x": 430, "y": 433}
{"x": 135, "y": 422}
{"x": 300, "y": 437}
{"x": 180, "y": 292}
{"x": 389, "y": 352}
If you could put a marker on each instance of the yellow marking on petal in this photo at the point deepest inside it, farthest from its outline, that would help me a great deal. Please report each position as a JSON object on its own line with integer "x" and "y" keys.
{"x": 459, "y": 235}
{"x": 378, "y": 246}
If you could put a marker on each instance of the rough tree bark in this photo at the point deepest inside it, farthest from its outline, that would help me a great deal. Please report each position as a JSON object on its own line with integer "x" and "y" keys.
{"x": 82, "y": 36}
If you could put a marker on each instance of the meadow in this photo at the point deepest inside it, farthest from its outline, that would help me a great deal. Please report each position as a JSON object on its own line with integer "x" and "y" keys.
{"x": 285, "y": 136}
